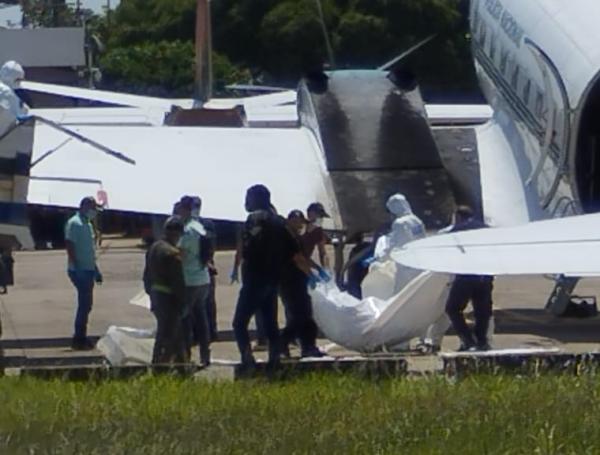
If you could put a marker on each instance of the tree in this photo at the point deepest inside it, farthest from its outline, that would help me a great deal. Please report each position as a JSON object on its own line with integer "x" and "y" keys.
{"x": 291, "y": 40}
{"x": 355, "y": 36}
{"x": 149, "y": 42}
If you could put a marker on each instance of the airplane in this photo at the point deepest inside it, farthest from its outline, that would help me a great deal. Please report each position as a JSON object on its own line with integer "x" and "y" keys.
{"x": 347, "y": 138}
{"x": 538, "y": 63}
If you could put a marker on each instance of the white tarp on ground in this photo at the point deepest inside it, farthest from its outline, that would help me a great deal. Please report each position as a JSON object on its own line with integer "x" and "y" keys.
{"x": 126, "y": 345}
{"x": 371, "y": 324}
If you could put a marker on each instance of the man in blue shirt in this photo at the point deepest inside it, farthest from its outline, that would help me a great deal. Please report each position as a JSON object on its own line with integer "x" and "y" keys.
{"x": 196, "y": 276}
{"x": 82, "y": 268}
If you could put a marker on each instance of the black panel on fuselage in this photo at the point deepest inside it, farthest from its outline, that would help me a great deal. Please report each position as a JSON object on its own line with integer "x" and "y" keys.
{"x": 376, "y": 141}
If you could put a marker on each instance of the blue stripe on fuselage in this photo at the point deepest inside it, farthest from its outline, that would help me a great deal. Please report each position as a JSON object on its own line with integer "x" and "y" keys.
{"x": 13, "y": 213}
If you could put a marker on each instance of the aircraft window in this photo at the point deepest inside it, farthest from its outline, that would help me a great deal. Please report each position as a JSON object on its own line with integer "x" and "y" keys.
{"x": 515, "y": 77}
{"x": 482, "y": 33}
{"x": 503, "y": 60}
{"x": 527, "y": 92}
{"x": 476, "y": 20}
{"x": 493, "y": 47}
{"x": 539, "y": 104}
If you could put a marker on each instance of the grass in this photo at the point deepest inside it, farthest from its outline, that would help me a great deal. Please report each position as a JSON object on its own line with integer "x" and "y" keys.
{"x": 317, "y": 414}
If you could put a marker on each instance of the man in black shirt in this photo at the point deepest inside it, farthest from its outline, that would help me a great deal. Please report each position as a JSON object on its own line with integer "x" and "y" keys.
{"x": 474, "y": 288}
{"x": 266, "y": 246}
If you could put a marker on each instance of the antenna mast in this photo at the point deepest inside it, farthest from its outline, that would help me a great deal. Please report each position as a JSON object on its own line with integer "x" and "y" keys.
{"x": 203, "y": 84}
{"x": 330, "y": 54}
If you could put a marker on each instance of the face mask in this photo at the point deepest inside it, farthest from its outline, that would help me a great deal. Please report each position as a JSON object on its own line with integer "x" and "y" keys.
{"x": 91, "y": 214}
{"x": 196, "y": 213}
{"x": 318, "y": 222}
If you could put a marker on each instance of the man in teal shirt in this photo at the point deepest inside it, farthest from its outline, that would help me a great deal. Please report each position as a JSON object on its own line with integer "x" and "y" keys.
{"x": 197, "y": 278}
{"x": 82, "y": 268}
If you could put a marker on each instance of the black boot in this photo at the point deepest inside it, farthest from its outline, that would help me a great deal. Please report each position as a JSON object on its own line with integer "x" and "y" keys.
{"x": 205, "y": 357}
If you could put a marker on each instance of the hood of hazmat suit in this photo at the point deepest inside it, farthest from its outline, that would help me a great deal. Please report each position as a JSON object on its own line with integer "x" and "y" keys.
{"x": 11, "y": 106}
{"x": 386, "y": 278}
{"x": 11, "y": 74}
{"x": 405, "y": 228}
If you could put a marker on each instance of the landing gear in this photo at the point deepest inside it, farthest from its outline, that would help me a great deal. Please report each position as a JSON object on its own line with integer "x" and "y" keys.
{"x": 561, "y": 295}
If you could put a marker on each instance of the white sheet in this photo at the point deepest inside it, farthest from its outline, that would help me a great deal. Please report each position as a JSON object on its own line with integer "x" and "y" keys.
{"x": 372, "y": 323}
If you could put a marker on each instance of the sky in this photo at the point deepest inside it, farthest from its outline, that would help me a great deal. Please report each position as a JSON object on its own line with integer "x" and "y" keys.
{"x": 11, "y": 16}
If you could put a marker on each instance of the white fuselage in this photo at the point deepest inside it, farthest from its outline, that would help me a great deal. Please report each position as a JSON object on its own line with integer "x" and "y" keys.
{"x": 538, "y": 62}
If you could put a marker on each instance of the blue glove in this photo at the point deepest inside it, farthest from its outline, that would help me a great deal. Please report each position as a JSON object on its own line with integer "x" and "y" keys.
{"x": 367, "y": 261}
{"x": 313, "y": 280}
{"x": 24, "y": 118}
{"x": 323, "y": 275}
{"x": 234, "y": 276}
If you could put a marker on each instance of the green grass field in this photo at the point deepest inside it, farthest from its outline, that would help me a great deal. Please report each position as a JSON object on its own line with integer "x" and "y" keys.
{"x": 318, "y": 414}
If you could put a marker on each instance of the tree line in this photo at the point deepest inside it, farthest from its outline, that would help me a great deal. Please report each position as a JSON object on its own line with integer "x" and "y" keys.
{"x": 147, "y": 45}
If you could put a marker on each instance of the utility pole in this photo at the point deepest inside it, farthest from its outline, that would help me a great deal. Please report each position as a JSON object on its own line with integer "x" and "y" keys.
{"x": 108, "y": 13}
{"x": 203, "y": 86}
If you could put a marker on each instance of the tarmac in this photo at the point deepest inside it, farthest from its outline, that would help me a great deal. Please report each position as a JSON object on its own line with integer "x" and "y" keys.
{"x": 37, "y": 313}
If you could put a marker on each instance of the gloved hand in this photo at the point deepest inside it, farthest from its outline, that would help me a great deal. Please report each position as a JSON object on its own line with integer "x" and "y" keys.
{"x": 313, "y": 280}
{"x": 98, "y": 278}
{"x": 367, "y": 261}
{"x": 24, "y": 118}
{"x": 234, "y": 275}
{"x": 324, "y": 275}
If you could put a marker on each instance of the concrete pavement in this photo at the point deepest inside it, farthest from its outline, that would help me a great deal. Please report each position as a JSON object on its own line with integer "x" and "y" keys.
{"x": 37, "y": 313}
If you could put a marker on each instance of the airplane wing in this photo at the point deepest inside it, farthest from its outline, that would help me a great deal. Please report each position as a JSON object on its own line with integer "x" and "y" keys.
{"x": 218, "y": 164}
{"x": 107, "y": 97}
{"x": 568, "y": 246}
{"x": 94, "y": 116}
{"x": 139, "y": 101}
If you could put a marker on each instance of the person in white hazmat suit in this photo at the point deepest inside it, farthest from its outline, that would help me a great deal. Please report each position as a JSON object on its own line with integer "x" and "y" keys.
{"x": 386, "y": 277}
{"x": 11, "y": 106}
{"x": 398, "y": 303}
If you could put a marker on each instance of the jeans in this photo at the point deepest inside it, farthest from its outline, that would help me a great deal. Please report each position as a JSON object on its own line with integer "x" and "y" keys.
{"x": 196, "y": 323}
{"x": 255, "y": 298}
{"x": 211, "y": 309}
{"x": 83, "y": 280}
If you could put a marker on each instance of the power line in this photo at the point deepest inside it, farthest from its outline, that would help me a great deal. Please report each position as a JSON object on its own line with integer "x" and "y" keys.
{"x": 330, "y": 54}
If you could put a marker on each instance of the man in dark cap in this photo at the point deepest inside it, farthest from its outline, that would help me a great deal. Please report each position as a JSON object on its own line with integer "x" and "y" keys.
{"x": 165, "y": 283}
{"x": 266, "y": 246}
{"x": 315, "y": 236}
